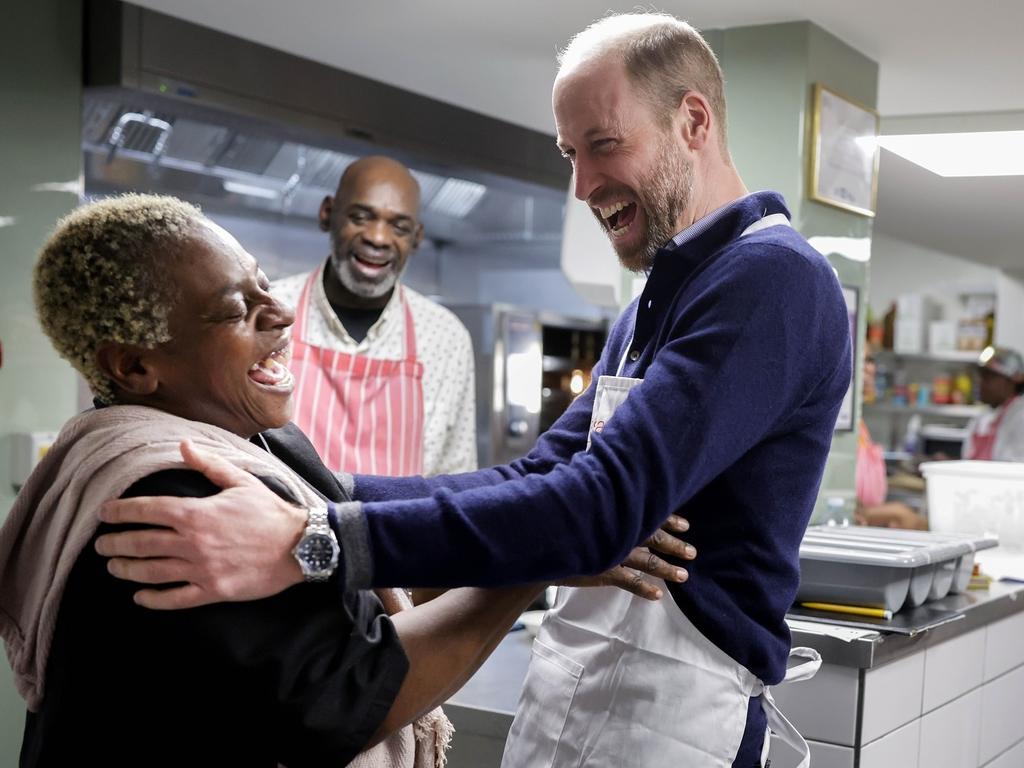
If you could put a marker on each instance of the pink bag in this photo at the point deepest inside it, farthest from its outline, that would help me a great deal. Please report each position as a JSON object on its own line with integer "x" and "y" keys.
{"x": 871, "y": 483}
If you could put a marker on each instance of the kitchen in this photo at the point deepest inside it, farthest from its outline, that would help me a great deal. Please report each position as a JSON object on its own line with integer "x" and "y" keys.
{"x": 511, "y": 240}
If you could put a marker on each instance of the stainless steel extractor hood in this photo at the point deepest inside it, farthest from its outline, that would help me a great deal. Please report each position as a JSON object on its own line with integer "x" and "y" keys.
{"x": 148, "y": 54}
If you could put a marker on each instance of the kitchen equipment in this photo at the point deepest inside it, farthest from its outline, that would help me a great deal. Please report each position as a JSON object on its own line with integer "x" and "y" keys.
{"x": 530, "y": 366}
{"x": 882, "y": 567}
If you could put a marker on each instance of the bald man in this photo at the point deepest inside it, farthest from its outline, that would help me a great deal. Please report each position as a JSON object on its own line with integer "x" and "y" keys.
{"x": 384, "y": 375}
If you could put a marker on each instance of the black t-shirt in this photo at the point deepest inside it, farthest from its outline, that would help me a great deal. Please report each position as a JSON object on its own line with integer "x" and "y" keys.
{"x": 297, "y": 678}
{"x": 357, "y": 322}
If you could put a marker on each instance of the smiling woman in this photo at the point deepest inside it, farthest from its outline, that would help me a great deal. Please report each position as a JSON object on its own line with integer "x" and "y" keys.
{"x": 156, "y": 305}
{"x": 172, "y": 324}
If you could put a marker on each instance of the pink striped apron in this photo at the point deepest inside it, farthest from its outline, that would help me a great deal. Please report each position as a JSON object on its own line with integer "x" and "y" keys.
{"x": 362, "y": 414}
{"x": 983, "y": 444}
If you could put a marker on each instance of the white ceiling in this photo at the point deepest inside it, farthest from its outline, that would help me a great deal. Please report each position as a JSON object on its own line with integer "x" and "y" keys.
{"x": 935, "y": 58}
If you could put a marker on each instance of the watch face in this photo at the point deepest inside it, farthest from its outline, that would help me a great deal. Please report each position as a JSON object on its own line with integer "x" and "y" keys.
{"x": 317, "y": 551}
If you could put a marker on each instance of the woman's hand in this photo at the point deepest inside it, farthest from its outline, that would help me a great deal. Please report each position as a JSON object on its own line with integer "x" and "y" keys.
{"x": 644, "y": 560}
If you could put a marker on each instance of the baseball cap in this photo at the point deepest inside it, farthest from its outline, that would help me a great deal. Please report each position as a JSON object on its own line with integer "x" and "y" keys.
{"x": 1006, "y": 362}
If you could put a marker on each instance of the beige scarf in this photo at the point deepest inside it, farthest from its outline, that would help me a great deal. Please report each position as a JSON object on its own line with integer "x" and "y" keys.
{"x": 98, "y": 456}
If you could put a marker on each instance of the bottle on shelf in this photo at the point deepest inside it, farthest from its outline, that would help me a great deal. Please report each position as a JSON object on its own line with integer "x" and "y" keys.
{"x": 889, "y": 327}
{"x": 899, "y": 394}
{"x": 835, "y": 512}
{"x": 963, "y": 389}
{"x": 912, "y": 437}
{"x": 875, "y": 330}
{"x": 881, "y": 383}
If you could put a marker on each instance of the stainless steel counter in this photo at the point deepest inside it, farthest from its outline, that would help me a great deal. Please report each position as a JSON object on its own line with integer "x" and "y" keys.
{"x": 482, "y": 710}
{"x": 978, "y": 608}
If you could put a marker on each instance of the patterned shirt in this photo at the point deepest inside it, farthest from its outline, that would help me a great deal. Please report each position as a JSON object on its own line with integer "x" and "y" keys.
{"x": 444, "y": 347}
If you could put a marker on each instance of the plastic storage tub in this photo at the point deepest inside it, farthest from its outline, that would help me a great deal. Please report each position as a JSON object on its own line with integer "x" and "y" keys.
{"x": 977, "y": 497}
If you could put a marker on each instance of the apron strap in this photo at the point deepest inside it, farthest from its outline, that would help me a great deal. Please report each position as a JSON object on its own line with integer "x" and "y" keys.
{"x": 778, "y": 723}
{"x": 410, "y": 330}
{"x": 299, "y": 329}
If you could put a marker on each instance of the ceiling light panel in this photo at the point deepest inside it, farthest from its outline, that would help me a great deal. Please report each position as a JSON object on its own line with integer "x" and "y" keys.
{"x": 988, "y": 153}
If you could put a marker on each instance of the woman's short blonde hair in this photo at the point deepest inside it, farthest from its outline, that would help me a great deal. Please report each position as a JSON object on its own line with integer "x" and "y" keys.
{"x": 100, "y": 278}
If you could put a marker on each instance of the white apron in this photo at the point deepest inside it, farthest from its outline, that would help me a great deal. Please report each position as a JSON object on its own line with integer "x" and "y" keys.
{"x": 616, "y": 680}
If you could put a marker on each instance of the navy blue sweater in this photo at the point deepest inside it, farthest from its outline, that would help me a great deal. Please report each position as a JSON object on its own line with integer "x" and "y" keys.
{"x": 743, "y": 345}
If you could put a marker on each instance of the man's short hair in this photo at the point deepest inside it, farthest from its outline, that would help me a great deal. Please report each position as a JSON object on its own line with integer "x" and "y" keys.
{"x": 101, "y": 278}
{"x": 664, "y": 56}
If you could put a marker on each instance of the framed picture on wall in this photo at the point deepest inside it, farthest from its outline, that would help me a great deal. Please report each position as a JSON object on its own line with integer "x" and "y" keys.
{"x": 844, "y": 153}
{"x": 844, "y": 423}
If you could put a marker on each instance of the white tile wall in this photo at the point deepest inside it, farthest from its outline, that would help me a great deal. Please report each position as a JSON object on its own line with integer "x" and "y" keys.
{"x": 1002, "y": 724}
{"x": 1011, "y": 758}
{"x": 892, "y": 696}
{"x": 898, "y": 749}
{"x": 1004, "y": 646}
{"x": 950, "y": 734}
{"x": 952, "y": 668}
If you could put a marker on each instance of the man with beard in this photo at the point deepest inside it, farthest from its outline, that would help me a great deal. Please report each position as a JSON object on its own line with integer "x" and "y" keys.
{"x": 727, "y": 372}
{"x": 384, "y": 376}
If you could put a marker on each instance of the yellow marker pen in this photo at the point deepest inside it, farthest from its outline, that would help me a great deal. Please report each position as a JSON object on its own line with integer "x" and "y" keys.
{"x": 856, "y": 610}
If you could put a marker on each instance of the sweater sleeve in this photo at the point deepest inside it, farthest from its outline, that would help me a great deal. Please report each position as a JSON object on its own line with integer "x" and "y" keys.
{"x": 751, "y": 345}
{"x": 566, "y": 437}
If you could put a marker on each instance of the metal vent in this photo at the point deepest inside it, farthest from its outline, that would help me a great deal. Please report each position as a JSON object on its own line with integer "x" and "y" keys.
{"x": 195, "y": 142}
{"x": 97, "y": 119}
{"x": 324, "y": 167}
{"x": 140, "y": 132}
{"x": 249, "y": 154}
{"x": 430, "y": 185}
{"x": 457, "y": 198}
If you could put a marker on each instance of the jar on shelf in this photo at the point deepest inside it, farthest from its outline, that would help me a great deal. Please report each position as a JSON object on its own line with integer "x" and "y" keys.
{"x": 942, "y": 389}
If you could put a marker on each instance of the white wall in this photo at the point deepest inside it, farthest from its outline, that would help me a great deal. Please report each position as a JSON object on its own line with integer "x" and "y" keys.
{"x": 1010, "y": 311}
{"x": 898, "y": 266}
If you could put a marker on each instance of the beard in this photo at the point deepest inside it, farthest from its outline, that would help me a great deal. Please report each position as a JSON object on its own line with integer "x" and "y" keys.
{"x": 354, "y": 282}
{"x": 663, "y": 193}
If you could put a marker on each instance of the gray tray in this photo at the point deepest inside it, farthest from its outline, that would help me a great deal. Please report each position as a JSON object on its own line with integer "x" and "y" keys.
{"x": 842, "y": 574}
{"x": 961, "y": 547}
{"x": 883, "y": 567}
{"x": 929, "y": 580}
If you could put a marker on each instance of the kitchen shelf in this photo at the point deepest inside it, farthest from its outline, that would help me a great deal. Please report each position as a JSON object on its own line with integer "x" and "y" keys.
{"x": 954, "y": 411}
{"x": 955, "y": 356}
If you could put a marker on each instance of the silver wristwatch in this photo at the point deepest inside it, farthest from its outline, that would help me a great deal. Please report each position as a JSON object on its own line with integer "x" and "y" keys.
{"x": 317, "y": 551}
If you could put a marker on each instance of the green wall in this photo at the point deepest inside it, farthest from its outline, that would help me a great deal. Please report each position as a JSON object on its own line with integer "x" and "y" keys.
{"x": 40, "y": 155}
{"x": 770, "y": 72}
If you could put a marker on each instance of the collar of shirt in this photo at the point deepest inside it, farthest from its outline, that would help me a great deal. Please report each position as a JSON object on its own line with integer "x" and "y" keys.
{"x": 680, "y": 258}
{"x": 378, "y": 330}
{"x": 700, "y": 226}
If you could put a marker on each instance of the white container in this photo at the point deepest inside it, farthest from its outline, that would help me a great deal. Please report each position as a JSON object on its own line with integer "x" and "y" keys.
{"x": 909, "y": 336}
{"x": 941, "y": 336}
{"x": 977, "y": 497}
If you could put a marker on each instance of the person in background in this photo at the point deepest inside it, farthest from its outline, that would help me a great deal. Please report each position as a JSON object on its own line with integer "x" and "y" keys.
{"x": 999, "y": 434}
{"x": 384, "y": 376}
{"x": 872, "y": 485}
{"x": 728, "y": 373}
